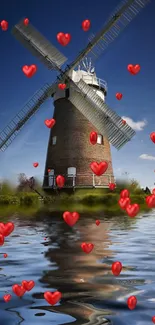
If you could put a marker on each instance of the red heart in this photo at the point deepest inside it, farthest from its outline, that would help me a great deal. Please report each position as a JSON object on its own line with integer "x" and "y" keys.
{"x": 29, "y": 71}
{"x": 63, "y": 39}
{"x": 124, "y": 193}
{"x": 1, "y": 240}
{"x": 119, "y": 96}
{"x": 153, "y": 319}
{"x": 26, "y": 21}
{"x": 123, "y": 122}
{"x": 150, "y": 201}
{"x": 28, "y": 285}
{"x": 87, "y": 247}
{"x": 86, "y": 25}
{"x": 62, "y": 86}
{"x": 52, "y": 297}
{"x": 132, "y": 210}
{"x": 35, "y": 164}
{"x": 48, "y": 170}
{"x": 93, "y": 137}
{"x": 99, "y": 168}
{"x": 134, "y": 69}
{"x": 97, "y": 222}
{"x": 4, "y": 25}
{"x": 116, "y": 268}
{"x": 153, "y": 191}
{"x": 50, "y": 123}
{"x": 18, "y": 290}
{"x": 7, "y": 298}
{"x": 152, "y": 137}
{"x": 123, "y": 203}
{"x": 71, "y": 217}
{"x": 60, "y": 181}
{"x": 5, "y": 255}
{"x": 6, "y": 229}
{"x": 112, "y": 186}
{"x": 132, "y": 302}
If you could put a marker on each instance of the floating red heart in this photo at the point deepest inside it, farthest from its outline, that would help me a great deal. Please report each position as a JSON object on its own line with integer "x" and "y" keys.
{"x": 123, "y": 122}
{"x": 132, "y": 302}
{"x": 150, "y": 201}
{"x": 97, "y": 222}
{"x": 26, "y": 21}
{"x": 4, "y": 25}
{"x": 6, "y": 229}
{"x": 123, "y": 203}
{"x": 52, "y": 297}
{"x": 119, "y": 96}
{"x": 28, "y": 285}
{"x": 71, "y": 217}
{"x": 60, "y": 181}
{"x": 1, "y": 240}
{"x": 132, "y": 209}
{"x": 49, "y": 170}
{"x": 18, "y": 290}
{"x": 124, "y": 193}
{"x": 93, "y": 137}
{"x": 112, "y": 186}
{"x": 153, "y": 319}
{"x": 5, "y": 255}
{"x": 86, "y": 25}
{"x": 63, "y": 39}
{"x": 35, "y": 164}
{"x": 99, "y": 168}
{"x": 62, "y": 86}
{"x": 30, "y": 70}
{"x": 133, "y": 69}
{"x": 50, "y": 123}
{"x": 87, "y": 247}
{"x": 116, "y": 268}
{"x": 7, "y": 297}
{"x": 152, "y": 137}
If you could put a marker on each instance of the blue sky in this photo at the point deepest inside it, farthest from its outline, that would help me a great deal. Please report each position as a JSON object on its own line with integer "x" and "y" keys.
{"x": 135, "y": 45}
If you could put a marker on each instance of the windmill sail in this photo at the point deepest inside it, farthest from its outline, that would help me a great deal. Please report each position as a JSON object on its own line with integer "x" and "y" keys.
{"x": 16, "y": 124}
{"x": 128, "y": 10}
{"x": 107, "y": 122}
{"x": 38, "y": 45}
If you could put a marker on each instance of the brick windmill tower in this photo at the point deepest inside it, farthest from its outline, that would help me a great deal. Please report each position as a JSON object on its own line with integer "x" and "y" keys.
{"x": 79, "y": 109}
{"x": 69, "y": 150}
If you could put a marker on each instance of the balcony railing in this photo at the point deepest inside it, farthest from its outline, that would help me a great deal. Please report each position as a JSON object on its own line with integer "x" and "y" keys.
{"x": 80, "y": 181}
{"x": 96, "y": 81}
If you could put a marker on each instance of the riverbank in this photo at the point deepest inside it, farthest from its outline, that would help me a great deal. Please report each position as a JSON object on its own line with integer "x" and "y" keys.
{"x": 94, "y": 200}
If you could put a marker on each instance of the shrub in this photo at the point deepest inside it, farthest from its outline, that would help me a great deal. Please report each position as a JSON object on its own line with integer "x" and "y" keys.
{"x": 28, "y": 199}
{"x": 8, "y": 199}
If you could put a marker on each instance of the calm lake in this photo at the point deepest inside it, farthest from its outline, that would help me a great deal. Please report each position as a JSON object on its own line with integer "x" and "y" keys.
{"x": 48, "y": 251}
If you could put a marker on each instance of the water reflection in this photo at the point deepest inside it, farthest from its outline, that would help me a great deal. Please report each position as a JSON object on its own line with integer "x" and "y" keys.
{"x": 91, "y": 294}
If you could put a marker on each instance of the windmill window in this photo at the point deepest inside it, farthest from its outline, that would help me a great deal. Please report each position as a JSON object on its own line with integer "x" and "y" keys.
{"x": 54, "y": 140}
{"x": 100, "y": 139}
{"x": 71, "y": 171}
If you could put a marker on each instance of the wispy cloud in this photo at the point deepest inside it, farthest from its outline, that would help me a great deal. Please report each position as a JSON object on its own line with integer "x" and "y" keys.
{"x": 137, "y": 126}
{"x": 147, "y": 157}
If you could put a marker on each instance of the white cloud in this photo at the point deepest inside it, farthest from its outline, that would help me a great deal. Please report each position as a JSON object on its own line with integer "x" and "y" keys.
{"x": 146, "y": 157}
{"x": 137, "y": 126}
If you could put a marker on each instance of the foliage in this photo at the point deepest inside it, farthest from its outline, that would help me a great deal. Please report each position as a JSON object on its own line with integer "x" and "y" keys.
{"x": 28, "y": 199}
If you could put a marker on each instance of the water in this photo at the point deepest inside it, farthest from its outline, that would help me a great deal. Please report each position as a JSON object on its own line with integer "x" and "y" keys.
{"x": 48, "y": 251}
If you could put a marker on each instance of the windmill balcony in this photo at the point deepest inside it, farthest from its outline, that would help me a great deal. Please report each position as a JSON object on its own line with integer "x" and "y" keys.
{"x": 79, "y": 181}
{"x": 96, "y": 81}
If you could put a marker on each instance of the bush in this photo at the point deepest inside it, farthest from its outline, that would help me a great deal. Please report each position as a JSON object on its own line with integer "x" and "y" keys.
{"x": 28, "y": 199}
{"x": 9, "y": 199}
{"x": 109, "y": 199}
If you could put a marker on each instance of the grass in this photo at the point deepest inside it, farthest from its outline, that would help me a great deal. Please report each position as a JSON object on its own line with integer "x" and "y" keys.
{"x": 90, "y": 200}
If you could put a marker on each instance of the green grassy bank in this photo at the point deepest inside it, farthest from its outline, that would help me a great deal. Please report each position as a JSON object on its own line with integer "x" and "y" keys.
{"x": 91, "y": 200}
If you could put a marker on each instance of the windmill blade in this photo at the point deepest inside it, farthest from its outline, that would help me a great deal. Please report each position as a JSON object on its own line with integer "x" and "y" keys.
{"x": 107, "y": 122}
{"x": 38, "y": 45}
{"x": 32, "y": 106}
{"x": 127, "y": 11}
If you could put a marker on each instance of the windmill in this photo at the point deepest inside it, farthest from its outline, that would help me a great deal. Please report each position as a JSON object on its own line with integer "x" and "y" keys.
{"x": 79, "y": 109}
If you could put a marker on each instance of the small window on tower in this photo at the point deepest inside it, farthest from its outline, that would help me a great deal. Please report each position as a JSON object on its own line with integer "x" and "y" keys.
{"x": 54, "y": 140}
{"x": 100, "y": 139}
